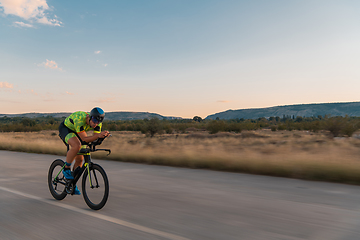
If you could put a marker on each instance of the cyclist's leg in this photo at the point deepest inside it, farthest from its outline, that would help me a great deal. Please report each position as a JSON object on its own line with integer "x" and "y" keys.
{"x": 78, "y": 161}
{"x": 71, "y": 139}
{"x": 75, "y": 146}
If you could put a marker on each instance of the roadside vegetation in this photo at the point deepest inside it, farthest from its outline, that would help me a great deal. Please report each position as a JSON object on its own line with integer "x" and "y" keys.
{"x": 324, "y": 149}
{"x": 336, "y": 126}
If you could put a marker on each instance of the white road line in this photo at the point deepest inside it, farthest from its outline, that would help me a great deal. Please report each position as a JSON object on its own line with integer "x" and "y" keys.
{"x": 99, "y": 216}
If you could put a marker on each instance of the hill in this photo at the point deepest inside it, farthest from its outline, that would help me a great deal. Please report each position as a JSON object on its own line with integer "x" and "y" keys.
{"x": 303, "y": 110}
{"x": 109, "y": 115}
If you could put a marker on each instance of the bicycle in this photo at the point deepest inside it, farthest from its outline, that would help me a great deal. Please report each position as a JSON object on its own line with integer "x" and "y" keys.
{"x": 95, "y": 184}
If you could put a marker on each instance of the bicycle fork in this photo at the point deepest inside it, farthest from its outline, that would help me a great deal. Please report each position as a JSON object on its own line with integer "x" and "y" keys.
{"x": 94, "y": 174}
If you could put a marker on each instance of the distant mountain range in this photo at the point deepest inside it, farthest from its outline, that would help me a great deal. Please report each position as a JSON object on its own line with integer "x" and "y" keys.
{"x": 108, "y": 115}
{"x": 303, "y": 110}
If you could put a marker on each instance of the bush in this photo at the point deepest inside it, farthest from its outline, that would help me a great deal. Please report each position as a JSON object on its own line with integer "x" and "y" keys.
{"x": 335, "y": 125}
{"x": 281, "y": 127}
{"x": 234, "y": 127}
{"x": 27, "y": 122}
{"x": 215, "y": 126}
{"x": 152, "y": 126}
{"x": 315, "y": 126}
{"x": 350, "y": 127}
{"x": 168, "y": 129}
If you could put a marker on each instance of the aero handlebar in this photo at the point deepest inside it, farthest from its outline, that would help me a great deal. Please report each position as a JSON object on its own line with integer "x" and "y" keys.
{"x": 95, "y": 143}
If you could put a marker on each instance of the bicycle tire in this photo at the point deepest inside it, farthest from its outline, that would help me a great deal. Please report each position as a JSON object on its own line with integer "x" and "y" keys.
{"x": 100, "y": 180}
{"x": 57, "y": 194}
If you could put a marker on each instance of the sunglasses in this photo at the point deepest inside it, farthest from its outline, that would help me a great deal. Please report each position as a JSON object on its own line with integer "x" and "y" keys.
{"x": 95, "y": 120}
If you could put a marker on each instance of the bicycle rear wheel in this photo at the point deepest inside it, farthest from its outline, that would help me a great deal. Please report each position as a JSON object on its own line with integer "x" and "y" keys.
{"x": 95, "y": 187}
{"x": 56, "y": 180}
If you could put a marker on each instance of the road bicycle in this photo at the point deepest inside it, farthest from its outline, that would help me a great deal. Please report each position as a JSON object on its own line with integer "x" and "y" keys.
{"x": 95, "y": 184}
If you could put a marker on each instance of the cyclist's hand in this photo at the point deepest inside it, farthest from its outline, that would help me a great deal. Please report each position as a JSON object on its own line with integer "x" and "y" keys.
{"x": 104, "y": 134}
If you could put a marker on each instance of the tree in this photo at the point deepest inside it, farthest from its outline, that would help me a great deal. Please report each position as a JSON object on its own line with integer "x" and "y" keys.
{"x": 197, "y": 119}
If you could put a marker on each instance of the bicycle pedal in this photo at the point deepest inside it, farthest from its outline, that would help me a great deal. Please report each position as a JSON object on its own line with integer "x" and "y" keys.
{"x": 69, "y": 191}
{"x": 69, "y": 188}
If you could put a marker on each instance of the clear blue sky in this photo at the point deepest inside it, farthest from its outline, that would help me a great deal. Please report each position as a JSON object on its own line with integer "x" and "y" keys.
{"x": 177, "y": 58}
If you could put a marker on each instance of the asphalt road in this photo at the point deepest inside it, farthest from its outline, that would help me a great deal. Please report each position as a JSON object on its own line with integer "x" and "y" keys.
{"x": 156, "y": 202}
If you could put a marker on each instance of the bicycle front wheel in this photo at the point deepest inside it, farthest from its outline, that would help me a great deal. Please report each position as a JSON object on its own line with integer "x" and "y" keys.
{"x": 56, "y": 180}
{"x": 95, "y": 187}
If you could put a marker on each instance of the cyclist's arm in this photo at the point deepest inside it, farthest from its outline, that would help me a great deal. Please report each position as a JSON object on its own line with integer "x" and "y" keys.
{"x": 84, "y": 137}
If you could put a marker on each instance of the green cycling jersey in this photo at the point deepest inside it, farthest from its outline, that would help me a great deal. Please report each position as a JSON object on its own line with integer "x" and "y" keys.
{"x": 76, "y": 122}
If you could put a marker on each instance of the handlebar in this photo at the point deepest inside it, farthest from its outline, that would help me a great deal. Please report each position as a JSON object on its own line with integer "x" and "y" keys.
{"x": 95, "y": 143}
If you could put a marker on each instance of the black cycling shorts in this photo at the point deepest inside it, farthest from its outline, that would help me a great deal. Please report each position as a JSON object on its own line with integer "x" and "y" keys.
{"x": 64, "y": 131}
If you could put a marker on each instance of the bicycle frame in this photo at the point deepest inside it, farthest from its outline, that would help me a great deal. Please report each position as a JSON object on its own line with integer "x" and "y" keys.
{"x": 86, "y": 165}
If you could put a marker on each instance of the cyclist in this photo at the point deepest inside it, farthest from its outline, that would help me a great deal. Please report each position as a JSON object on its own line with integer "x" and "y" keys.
{"x": 73, "y": 132}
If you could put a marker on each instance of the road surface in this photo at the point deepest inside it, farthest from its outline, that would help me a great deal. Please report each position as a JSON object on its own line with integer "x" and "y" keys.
{"x": 157, "y": 202}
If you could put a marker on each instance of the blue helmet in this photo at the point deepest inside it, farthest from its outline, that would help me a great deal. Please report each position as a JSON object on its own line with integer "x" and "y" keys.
{"x": 97, "y": 115}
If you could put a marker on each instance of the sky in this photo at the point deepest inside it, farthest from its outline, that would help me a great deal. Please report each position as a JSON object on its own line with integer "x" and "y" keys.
{"x": 181, "y": 58}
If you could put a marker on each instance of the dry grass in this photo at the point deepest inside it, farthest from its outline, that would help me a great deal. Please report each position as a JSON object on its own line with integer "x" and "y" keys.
{"x": 293, "y": 154}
